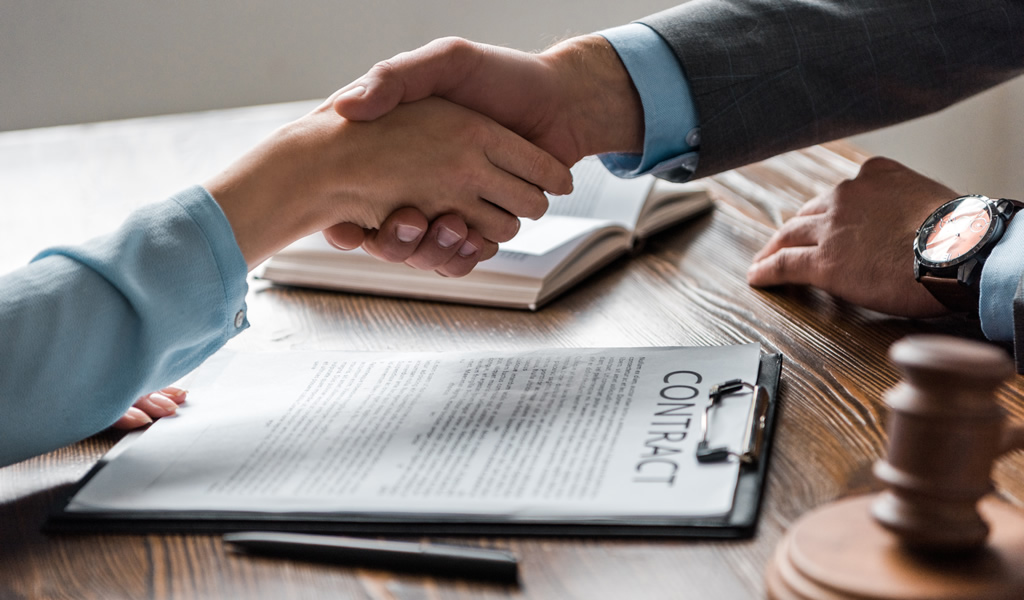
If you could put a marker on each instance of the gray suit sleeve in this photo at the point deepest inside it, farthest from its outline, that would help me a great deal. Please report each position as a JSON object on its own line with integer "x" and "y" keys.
{"x": 770, "y": 76}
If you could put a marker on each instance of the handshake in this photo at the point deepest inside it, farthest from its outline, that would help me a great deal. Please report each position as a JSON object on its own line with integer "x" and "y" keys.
{"x": 432, "y": 156}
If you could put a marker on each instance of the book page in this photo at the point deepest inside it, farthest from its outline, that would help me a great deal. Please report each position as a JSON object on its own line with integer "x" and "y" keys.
{"x": 598, "y": 200}
{"x": 539, "y": 237}
{"x": 546, "y": 435}
{"x": 598, "y": 194}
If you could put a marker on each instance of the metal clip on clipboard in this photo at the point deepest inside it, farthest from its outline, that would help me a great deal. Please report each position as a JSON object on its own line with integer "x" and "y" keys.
{"x": 753, "y": 437}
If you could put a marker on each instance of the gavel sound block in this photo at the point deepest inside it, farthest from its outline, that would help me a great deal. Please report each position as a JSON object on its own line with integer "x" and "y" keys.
{"x": 932, "y": 534}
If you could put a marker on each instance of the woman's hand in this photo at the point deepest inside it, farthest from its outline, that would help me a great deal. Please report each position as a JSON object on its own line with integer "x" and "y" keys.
{"x": 151, "y": 406}
{"x": 431, "y": 155}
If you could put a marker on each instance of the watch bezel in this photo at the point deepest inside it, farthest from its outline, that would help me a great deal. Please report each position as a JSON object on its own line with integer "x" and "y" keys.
{"x": 921, "y": 239}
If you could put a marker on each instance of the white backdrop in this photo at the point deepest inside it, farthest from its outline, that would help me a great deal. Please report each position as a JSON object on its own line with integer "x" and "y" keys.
{"x": 71, "y": 61}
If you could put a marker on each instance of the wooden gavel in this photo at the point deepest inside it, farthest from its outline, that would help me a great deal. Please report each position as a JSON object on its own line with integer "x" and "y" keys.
{"x": 925, "y": 537}
{"x": 945, "y": 432}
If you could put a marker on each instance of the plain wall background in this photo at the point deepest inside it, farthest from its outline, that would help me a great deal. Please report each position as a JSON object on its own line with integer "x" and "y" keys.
{"x": 72, "y": 61}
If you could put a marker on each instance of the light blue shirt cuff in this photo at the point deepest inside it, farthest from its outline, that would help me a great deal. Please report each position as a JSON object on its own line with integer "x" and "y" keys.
{"x": 216, "y": 228}
{"x": 999, "y": 280}
{"x": 671, "y": 124}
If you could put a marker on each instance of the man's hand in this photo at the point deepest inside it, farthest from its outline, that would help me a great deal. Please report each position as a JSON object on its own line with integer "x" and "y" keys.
{"x": 856, "y": 241}
{"x": 573, "y": 100}
{"x": 433, "y": 155}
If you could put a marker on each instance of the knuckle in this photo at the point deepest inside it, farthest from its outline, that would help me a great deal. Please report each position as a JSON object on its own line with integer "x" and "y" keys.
{"x": 386, "y": 67}
{"x": 537, "y": 167}
{"x": 845, "y": 185}
{"x": 452, "y": 45}
{"x": 783, "y": 238}
{"x": 878, "y": 163}
{"x": 775, "y": 266}
{"x": 541, "y": 172}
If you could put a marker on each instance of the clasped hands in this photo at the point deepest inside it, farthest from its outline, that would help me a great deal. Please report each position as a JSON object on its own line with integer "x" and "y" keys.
{"x": 387, "y": 164}
{"x": 854, "y": 241}
{"x": 549, "y": 99}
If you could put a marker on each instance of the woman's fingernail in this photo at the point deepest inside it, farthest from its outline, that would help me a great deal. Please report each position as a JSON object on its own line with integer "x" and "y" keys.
{"x": 446, "y": 238}
{"x": 176, "y": 394}
{"x": 408, "y": 233}
{"x": 355, "y": 92}
{"x": 139, "y": 420}
{"x": 133, "y": 419}
{"x": 467, "y": 249}
{"x": 163, "y": 402}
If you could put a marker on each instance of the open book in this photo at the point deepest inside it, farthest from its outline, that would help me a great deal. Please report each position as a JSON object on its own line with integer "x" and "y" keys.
{"x": 600, "y": 220}
{"x": 600, "y": 440}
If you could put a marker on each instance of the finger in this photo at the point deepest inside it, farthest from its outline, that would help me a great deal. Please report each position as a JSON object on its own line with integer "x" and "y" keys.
{"x": 178, "y": 395}
{"x": 156, "y": 405}
{"x": 519, "y": 157}
{"x": 399, "y": 235}
{"x": 493, "y": 222}
{"x": 512, "y": 194}
{"x": 816, "y": 205}
{"x": 446, "y": 237}
{"x": 798, "y": 231}
{"x": 407, "y": 77}
{"x": 788, "y": 265}
{"x": 133, "y": 418}
{"x": 470, "y": 253}
{"x": 489, "y": 249}
{"x": 345, "y": 236}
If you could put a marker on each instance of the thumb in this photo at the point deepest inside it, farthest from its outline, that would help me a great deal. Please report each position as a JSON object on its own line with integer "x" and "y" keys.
{"x": 370, "y": 97}
{"x": 407, "y": 77}
{"x": 787, "y": 265}
{"x": 345, "y": 236}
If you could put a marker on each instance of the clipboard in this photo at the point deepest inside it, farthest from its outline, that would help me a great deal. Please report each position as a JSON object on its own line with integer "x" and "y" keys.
{"x": 740, "y": 522}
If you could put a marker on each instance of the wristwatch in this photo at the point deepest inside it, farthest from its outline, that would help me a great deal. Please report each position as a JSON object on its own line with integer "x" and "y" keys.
{"x": 952, "y": 244}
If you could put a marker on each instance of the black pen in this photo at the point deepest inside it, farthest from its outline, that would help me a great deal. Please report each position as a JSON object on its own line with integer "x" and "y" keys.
{"x": 433, "y": 559}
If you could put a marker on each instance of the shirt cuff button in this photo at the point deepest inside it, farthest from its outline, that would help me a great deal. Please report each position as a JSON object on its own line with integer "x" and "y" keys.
{"x": 239, "y": 319}
{"x": 693, "y": 138}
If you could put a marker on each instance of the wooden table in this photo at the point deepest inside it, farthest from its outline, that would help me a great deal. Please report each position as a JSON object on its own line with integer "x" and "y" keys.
{"x": 688, "y": 288}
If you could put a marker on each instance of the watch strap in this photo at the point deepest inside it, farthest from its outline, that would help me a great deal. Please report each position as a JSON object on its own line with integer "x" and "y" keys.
{"x": 952, "y": 294}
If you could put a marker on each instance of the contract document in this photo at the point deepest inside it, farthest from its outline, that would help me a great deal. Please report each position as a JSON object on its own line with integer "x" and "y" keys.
{"x": 553, "y": 435}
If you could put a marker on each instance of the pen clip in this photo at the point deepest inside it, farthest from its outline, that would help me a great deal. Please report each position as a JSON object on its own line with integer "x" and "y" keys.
{"x": 753, "y": 435}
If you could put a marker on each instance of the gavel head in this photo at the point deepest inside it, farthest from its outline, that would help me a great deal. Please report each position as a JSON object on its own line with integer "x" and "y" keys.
{"x": 945, "y": 431}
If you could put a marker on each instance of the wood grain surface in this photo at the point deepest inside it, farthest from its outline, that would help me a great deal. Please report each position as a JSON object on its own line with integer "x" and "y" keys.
{"x": 687, "y": 287}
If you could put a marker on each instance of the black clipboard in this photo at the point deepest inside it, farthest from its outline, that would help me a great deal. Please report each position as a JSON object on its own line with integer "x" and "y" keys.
{"x": 740, "y": 522}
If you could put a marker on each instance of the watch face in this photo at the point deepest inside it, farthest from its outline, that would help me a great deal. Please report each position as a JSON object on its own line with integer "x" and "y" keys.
{"x": 955, "y": 231}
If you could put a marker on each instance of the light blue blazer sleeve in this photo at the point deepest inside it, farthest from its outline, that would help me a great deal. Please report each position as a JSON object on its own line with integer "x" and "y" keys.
{"x": 85, "y": 330}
